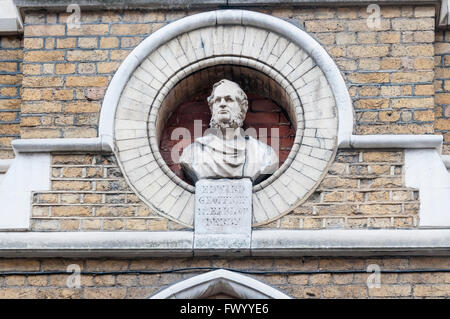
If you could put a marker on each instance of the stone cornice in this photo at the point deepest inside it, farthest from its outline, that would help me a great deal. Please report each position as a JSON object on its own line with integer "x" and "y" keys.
{"x": 187, "y": 4}
{"x": 268, "y": 243}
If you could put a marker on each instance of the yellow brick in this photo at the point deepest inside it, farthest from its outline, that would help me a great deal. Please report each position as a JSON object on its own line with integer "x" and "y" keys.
{"x": 344, "y": 292}
{"x": 9, "y": 129}
{"x": 69, "y": 224}
{"x": 400, "y": 77}
{"x": 378, "y": 209}
{"x": 72, "y": 159}
{"x": 107, "y": 67}
{"x": 15, "y": 280}
{"x": 324, "y": 26}
{"x": 8, "y": 66}
{"x": 112, "y": 224}
{"x": 424, "y": 89}
{"x": 19, "y": 265}
{"x": 59, "y": 293}
{"x": 372, "y": 104}
{"x": 369, "y": 77}
{"x": 389, "y": 116}
{"x": 42, "y": 81}
{"x": 92, "y": 198}
{"x": 424, "y": 115}
{"x": 40, "y": 133}
{"x": 87, "y": 55}
{"x": 89, "y": 29}
{"x": 70, "y": 198}
{"x": 88, "y": 43}
{"x": 18, "y": 293}
{"x": 312, "y": 223}
{"x": 63, "y": 94}
{"x": 31, "y": 69}
{"x": 71, "y": 211}
{"x": 390, "y": 63}
{"x": 442, "y": 124}
{"x": 106, "y": 211}
{"x": 130, "y": 29}
{"x": 79, "y": 132}
{"x": 65, "y": 68}
{"x": 82, "y": 107}
{"x": 390, "y": 37}
{"x": 109, "y": 42}
{"x": 42, "y": 107}
{"x": 7, "y": 116}
{"x": 442, "y": 290}
{"x": 33, "y": 43}
{"x": 359, "y": 51}
{"x": 84, "y": 81}
{"x": 391, "y": 291}
{"x": 424, "y": 63}
{"x": 119, "y": 54}
{"x": 66, "y": 43}
{"x": 411, "y": 25}
{"x": 30, "y": 121}
{"x": 37, "y": 280}
{"x": 136, "y": 224}
{"x": 91, "y": 224}
{"x": 412, "y": 50}
{"x": 10, "y": 79}
{"x": 413, "y": 103}
{"x": 71, "y": 185}
{"x": 44, "y": 30}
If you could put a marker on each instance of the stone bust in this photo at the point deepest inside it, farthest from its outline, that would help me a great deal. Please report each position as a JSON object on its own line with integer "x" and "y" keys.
{"x": 224, "y": 152}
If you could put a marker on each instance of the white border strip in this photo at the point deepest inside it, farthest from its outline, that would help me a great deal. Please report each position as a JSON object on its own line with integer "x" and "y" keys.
{"x": 271, "y": 243}
{"x": 103, "y": 144}
{"x": 97, "y": 144}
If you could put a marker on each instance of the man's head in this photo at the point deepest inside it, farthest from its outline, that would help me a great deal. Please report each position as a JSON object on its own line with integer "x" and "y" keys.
{"x": 228, "y": 104}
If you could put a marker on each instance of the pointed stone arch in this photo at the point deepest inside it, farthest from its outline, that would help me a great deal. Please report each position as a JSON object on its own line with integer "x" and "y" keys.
{"x": 219, "y": 282}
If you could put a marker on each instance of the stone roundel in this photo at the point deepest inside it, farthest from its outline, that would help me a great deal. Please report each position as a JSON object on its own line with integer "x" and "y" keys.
{"x": 139, "y": 101}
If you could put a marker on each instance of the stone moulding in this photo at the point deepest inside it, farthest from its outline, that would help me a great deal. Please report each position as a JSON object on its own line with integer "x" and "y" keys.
{"x": 220, "y": 282}
{"x": 265, "y": 243}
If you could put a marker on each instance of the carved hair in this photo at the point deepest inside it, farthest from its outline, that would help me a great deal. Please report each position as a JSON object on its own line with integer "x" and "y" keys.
{"x": 241, "y": 97}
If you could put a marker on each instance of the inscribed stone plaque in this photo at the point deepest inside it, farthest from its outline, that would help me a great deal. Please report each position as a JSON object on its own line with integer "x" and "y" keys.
{"x": 223, "y": 213}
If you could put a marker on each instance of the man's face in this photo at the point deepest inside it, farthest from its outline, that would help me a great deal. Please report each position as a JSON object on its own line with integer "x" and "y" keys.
{"x": 225, "y": 105}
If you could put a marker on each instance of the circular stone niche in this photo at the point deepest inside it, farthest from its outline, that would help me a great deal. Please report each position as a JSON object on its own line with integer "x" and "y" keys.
{"x": 163, "y": 79}
{"x": 186, "y": 115}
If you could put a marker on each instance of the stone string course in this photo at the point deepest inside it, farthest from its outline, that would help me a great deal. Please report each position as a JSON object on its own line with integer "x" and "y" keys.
{"x": 362, "y": 190}
{"x": 348, "y": 285}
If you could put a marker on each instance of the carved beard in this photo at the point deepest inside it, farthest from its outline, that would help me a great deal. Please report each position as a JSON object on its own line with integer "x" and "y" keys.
{"x": 236, "y": 121}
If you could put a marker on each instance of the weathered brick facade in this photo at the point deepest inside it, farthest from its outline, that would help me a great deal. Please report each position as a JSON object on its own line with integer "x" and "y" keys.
{"x": 11, "y": 57}
{"x": 52, "y": 84}
{"x": 361, "y": 190}
{"x": 322, "y": 285}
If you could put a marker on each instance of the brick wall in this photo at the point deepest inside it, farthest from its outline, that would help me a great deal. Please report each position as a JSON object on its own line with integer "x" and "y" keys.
{"x": 363, "y": 189}
{"x": 442, "y": 88}
{"x": 389, "y": 71}
{"x": 325, "y": 285}
{"x": 10, "y": 82}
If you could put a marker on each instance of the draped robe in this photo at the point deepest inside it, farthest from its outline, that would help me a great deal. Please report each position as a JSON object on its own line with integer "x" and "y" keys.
{"x": 213, "y": 157}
